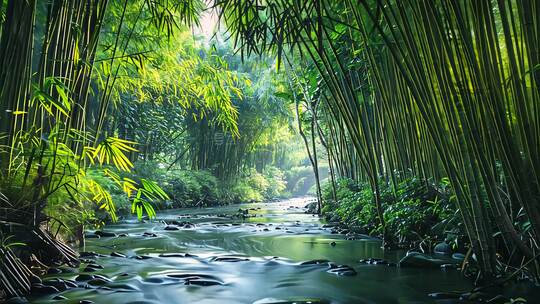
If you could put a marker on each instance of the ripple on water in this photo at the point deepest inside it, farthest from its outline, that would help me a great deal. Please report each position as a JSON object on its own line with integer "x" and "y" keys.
{"x": 228, "y": 262}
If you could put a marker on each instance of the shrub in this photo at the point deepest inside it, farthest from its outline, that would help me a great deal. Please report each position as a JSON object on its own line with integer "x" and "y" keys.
{"x": 415, "y": 210}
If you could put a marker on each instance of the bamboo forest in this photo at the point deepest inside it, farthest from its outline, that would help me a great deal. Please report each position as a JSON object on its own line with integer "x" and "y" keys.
{"x": 270, "y": 151}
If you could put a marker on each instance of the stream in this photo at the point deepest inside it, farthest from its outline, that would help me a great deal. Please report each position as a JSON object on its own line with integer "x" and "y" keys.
{"x": 214, "y": 255}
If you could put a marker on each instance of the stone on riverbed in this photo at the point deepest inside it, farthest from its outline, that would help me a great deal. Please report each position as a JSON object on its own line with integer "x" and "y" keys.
{"x": 314, "y": 262}
{"x": 172, "y": 255}
{"x": 91, "y": 268}
{"x": 89, "y": 254}
{"x": 98, "y": 282}
{"x": 443, "y": 248}
{"x": 142, "y": 257}
{"x": 171, "y": 228}
{"x": 84, "y": 277}
{"x": 460, "y": 257}
{"x": 118, "y": 254}
{"x": 200, "y": 282}
{"x": 54, "y": 270}
{"x": 229, "y": 259}
{"x": 149, "y": 234}
{"x": 102, "y": 233}
{"x": 57, "y": 283}
{"x": 416, "y": 259}
{"x": 41, "y": 289}
{"x": 344, "y": 270}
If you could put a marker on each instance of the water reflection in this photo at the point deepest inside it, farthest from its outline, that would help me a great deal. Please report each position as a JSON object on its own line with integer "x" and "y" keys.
{"x": 252, "y": 260}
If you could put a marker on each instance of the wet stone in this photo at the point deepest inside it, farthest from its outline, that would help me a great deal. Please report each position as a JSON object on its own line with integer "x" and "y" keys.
{"x": 71, "y": 283}
{"x": 314, "y": 262}
{"x": 95, "y": 266}
{"x": 118, "y": 254}
{"x": 154, "y": 280}
{"x": 89, "y": 254}
{"x": 419, "y": 260}
{"x": 54, "y": 271}
{"x": 171, "y": 228}
{"x": 34, "y": 279}
{"x": 200, "y": 282}
{"x": 458, "y": 256}
{"x": 100, "y": 276}
{"x": 172, "y": 255}
{"x": 123, "y": 287}
{"x": 229, "y": 259}
{"x": 98, "y": 282}
{"x": 443, "y": 248}
{"x": 59, "y": 298}
{"x": 142, "y": 257}
{"x": 448, "y": 266}
{"x": 57, "y": 283}
{"x": 84, "y": 277}
{"x": 102, "y": 233}
{"x": 67, "y": 270}
{"x": 343, "y": 270}
{"x": 42, "y": 289}
{"x": 89, "y": 269}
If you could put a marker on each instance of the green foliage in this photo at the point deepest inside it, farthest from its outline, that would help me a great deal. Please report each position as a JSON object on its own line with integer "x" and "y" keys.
{"x": 276, "y": 182}
{"x": 186, "y": 188}
{"x": 416, "y": 210}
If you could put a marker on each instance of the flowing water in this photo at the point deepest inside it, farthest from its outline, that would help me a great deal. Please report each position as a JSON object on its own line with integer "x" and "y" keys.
{"x": 225, "y": 259}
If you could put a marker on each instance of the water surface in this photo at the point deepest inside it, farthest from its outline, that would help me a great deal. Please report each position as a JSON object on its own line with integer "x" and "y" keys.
{"x": 252, "y": 260}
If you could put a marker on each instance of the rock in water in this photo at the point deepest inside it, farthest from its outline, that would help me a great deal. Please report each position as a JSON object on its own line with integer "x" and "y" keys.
{"x": 443, "y": 248}
{"x": 105, "y": 233}
{"x": 458, "y": 256}
{"x": 344, "y": 270}
{"x": 416, "y": 259}
{"x": 118, "y": 254}
{"x": 54, "y": 271}
{"x": 315, "y": 262}
{"x": 41, "y": 289}
{"x": 84, "y": 277}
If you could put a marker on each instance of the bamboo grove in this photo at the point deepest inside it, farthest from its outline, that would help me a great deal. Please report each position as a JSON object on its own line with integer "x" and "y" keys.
{"x": 66, "y": 67}
{"x": 434, "y": 89}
